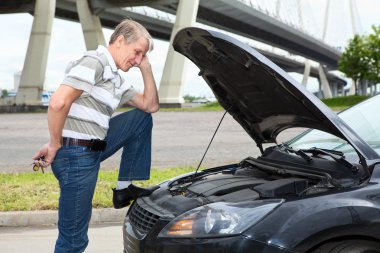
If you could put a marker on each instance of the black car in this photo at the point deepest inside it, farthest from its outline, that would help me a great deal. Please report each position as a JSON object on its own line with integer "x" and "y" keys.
{"x": 318, "y": 192}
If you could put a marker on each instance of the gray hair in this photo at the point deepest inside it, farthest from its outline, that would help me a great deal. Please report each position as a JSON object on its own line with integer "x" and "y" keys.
{"x": 132, "y": 31}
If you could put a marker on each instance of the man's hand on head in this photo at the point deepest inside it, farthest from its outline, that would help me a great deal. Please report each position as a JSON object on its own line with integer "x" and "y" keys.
{"x": 144, "y": 64}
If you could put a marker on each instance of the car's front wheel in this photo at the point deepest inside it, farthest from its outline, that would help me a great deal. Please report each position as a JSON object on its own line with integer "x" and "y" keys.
{"x": 352, "y": 246}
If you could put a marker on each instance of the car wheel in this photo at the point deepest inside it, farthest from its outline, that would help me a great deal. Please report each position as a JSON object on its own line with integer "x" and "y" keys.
{"x": 354, "y": 246}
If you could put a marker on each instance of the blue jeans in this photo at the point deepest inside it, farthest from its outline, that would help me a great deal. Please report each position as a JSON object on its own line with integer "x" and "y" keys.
{"x": 76, "y": 169}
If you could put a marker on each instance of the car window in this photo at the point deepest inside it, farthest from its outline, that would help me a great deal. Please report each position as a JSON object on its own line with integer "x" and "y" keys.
{"x": 363, "y": 119}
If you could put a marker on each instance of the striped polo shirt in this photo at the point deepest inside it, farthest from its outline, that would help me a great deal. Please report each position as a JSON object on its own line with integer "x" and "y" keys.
{"x": 103, "y": 90}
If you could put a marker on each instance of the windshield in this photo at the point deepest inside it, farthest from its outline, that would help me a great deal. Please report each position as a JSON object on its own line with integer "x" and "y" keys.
{"x": 363, "y": 119}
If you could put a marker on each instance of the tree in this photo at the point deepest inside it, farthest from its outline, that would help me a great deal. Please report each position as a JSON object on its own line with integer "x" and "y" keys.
{"x": 4, "y": 93}
{"x": 361, "y": 58}
{"x": 373, "y": 54}
{"x": 189, "y": 98}
{"x": 354, "y": 60}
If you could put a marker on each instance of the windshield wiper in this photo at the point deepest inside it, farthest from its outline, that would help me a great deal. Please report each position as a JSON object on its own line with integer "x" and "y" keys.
{"x": 299, "y": 152}
{"x": 325, "y": 151}
{"x": 292, "y": 170}
{"x": 336, "y": 155}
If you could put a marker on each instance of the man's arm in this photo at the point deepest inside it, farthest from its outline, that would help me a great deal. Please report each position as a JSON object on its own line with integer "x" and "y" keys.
{"x": 148, "y": 100}
{"x": 59, "y": 107}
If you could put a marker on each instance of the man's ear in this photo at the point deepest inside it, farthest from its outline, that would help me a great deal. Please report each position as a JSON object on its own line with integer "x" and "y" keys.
{"x": 119, "y": 40}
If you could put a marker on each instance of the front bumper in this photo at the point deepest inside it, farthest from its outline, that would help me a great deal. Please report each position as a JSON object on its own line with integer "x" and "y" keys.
{"x": 137, "y": 242}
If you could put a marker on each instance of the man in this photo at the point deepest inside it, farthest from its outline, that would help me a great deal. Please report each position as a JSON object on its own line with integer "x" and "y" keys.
{"x": 82, "y": 132}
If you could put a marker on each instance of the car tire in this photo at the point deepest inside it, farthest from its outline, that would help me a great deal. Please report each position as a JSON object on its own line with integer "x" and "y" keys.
{"x": 352, "y": 246}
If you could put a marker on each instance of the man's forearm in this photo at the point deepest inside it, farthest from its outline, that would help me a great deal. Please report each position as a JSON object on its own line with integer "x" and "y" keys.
{"x": 56, "y": 121}
{"x": 150, "y": 90}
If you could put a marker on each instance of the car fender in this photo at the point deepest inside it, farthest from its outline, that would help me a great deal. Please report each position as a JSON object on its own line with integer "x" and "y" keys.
{"x": 297, "y": 225}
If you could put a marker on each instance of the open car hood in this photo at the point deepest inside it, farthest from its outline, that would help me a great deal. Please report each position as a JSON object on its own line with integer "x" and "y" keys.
{"x": 261, "y": 96}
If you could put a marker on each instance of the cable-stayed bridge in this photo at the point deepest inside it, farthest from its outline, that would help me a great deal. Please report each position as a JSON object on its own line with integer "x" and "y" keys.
{"x": 260, "y": 22}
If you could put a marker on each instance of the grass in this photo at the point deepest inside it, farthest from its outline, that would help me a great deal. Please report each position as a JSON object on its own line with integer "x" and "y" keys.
{"x": 341, "y": 103}
{"x": 37, "y": 191}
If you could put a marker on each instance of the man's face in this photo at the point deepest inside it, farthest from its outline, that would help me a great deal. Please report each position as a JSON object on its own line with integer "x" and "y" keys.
{"x": 131, "y": 54}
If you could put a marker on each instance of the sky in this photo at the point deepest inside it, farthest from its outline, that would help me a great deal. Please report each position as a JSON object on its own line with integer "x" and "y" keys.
{"x": 67, "y": 43}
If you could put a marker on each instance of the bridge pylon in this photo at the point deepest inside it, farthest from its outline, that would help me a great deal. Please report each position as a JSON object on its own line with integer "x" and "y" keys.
{"x": 91, "y": 26}
{"x": 172, "y": 82}
{"x": 33, "y": 75}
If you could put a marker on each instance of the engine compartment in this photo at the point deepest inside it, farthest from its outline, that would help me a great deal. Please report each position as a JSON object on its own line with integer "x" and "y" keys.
{"x": 275, "y": 174}
{"x": 231, "y": 183}
{"x": 240, "y": 183}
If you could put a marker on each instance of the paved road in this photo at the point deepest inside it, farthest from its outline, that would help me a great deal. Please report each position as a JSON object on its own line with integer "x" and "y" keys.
{"x": 106, "y": 238}
{"x": 179, "y": 139}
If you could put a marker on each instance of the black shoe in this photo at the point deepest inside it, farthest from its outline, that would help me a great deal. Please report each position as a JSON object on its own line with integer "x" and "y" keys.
{"x": 122, "y": 198}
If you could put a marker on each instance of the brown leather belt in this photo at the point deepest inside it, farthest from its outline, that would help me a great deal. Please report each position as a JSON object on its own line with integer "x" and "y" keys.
{"x": 93, "y": 144}
{"x": 75, "y": 142}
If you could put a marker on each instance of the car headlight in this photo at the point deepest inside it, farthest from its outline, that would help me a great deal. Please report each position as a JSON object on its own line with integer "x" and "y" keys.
{"x": 219, "y": 219}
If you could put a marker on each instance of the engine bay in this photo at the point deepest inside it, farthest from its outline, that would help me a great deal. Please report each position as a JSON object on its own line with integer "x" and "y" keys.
{"x": 238, "y": 183}
{"x": 275, "y": 174}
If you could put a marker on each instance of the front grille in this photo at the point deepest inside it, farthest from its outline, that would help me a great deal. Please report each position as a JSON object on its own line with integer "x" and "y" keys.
{"x": 141, "y": 218}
